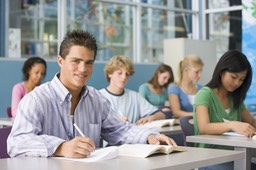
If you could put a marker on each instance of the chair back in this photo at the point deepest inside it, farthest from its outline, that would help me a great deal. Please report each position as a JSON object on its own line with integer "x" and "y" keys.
{"x": 4, "y": 133}
{"x": 167, "y": 112}
{"x": 187, "y": 127}
{"x": 9, "y": 112}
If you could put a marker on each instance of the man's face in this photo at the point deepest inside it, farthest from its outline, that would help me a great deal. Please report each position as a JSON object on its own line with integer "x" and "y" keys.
{"x": 76, "y": 68}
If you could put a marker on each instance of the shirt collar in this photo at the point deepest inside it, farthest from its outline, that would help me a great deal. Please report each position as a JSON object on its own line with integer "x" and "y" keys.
{"x": 61, "y": 91}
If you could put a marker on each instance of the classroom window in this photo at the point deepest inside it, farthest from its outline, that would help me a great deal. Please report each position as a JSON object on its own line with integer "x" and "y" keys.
{"x": 135, "y": 28}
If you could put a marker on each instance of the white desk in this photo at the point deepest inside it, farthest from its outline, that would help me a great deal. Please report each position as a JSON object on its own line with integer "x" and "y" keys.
{"x": 5, "y": 121}
{"x": 240, "y": 143}
{"x": 174, "y": 132}
{"x": 178, "y": 161}
{"x": 170, "y": 130}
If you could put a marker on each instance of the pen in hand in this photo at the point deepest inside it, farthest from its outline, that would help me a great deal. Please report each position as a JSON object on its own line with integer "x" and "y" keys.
{"x": 79, "y": 130}
{"x": 122, "y": 116}
{"x": 120, "y": 113}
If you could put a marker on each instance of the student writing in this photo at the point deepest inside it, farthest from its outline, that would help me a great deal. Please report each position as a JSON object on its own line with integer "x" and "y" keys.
{"x": 45, "y": 117}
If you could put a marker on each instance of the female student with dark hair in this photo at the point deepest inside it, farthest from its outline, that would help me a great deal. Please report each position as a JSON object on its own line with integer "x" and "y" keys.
{"x": 219, "y": 105}
{"x": 34, "y": 70}
{"x": 155, "y": 90}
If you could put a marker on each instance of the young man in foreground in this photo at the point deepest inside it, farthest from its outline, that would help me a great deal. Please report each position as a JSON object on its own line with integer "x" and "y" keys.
{"x": 44, "y": 122}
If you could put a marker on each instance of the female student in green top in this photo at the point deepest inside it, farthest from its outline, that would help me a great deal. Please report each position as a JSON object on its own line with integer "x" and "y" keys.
{"x": 219, "y": 106}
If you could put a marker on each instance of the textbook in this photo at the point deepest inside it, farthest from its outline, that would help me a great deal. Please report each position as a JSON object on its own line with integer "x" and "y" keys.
{"x": 146, "y": 150}
{"x": 98, "y": 155}
{"x": 161, "y": 123}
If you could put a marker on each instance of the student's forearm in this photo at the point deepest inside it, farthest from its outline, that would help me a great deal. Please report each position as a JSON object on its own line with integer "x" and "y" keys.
{"x": 180, "y": 113}
{"x": 220, "y": 127}
{"x": 158, "y": 115}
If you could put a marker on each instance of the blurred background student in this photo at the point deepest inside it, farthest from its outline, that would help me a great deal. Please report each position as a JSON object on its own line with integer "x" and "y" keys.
{"x": 155, "y": 90}
{"x": 34, "y": 70}
{"x": 182, "y": 93}
{"x": 129, "y": 104}
{"x": 219, "y": 106}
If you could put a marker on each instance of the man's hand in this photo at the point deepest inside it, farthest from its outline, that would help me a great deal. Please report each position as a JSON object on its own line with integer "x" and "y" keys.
{"x": 124, "y": 118}
{"x": 160, "y": 139}
{"x": 79, "y": 147}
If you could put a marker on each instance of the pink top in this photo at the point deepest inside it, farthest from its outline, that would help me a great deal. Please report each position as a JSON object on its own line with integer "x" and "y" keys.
{"x": 18, "y": 92}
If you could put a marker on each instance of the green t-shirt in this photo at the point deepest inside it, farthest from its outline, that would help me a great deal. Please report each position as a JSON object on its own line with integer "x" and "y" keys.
{"x": 217, "y": 113}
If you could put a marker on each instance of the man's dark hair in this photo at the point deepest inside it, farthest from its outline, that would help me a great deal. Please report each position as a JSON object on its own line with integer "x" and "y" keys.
{"x": 80, "y": 38}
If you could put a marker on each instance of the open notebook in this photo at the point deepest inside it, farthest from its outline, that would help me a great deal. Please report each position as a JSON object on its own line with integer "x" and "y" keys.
{"x": 135, "y": 150}
{"x": 237, "y": 134}
{"x": 98, "y": 155}
{"x": 233, "y": 134}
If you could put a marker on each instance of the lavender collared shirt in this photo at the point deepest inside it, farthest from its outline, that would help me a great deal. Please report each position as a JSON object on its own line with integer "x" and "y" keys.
{"x": 43, "y": 121}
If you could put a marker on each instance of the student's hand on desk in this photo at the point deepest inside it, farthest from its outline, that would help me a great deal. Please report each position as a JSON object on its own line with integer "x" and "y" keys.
{"x": 160, "y": 139}
{"x": 79, "y": 147}
{"x": 243, "y": 128}
{"x": 144, "y": 120}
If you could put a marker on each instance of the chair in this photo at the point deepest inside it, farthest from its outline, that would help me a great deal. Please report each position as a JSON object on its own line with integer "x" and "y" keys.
{"x": 167, "y": 112}
{"x": 9, "y": 112}
{"x": 187, "y": 127}
{"x": 4, "y": 133}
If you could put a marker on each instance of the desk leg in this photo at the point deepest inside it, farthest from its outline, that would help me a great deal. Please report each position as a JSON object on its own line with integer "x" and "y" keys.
{"x": 244, "y": 164}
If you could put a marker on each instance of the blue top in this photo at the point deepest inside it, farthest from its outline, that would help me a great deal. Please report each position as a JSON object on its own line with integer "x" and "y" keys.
{"x": 157, "y": 100}
{"x": 43, "y": 121}
{"x": 185, "y": 104}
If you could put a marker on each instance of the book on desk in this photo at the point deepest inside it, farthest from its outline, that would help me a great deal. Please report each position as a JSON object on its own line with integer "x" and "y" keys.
{"x": 162, "y": 123}
{"x": 146, "y": 150}
{"x": 134, "y": 150}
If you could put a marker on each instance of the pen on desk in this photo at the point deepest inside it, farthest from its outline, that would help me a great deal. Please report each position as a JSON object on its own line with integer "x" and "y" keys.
{"x": 79, "y": 130}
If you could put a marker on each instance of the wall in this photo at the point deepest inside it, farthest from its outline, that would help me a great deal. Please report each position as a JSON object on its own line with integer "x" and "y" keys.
{"x": 176, "y": 49}
{"x": 10, "y": 73}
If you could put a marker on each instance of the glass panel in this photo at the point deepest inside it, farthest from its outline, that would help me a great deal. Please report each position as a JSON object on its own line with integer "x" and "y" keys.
{"x": 111, "y": 24}
{"x": 249, "y": 49}
{"x": 37, "y": 22}
{"x": 157, "y": 25}
{"x": 212, "y": 4}
{"x": 225, "y": 29}
{"x": 184, "y": 4}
